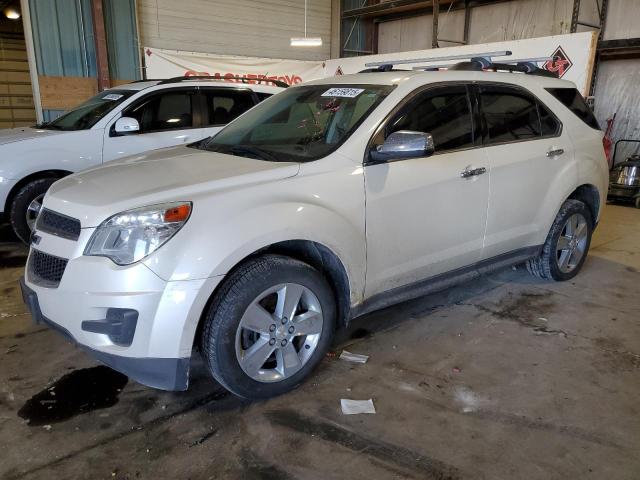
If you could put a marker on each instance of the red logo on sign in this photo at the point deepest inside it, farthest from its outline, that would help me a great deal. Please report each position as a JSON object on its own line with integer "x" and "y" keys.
{"x": 560, "y": 63}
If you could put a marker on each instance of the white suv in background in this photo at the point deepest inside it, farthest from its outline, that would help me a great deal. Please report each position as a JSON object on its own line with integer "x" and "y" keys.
{"x": 118, "y": 122}
{"x": 332, "y": 199}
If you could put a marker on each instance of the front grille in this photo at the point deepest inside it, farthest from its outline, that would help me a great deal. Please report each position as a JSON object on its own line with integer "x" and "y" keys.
{"x": 58, "y": 224}
{"x": 46, "y": 270}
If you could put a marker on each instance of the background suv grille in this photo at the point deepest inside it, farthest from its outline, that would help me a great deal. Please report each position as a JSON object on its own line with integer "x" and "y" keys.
{"x": 58, "y": 224}
{"x": 45, "y": 269}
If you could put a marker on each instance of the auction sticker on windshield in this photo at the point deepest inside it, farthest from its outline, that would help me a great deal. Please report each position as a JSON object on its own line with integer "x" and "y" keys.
{"x": 343, "y": 92}
{"x": 112, "y": 96}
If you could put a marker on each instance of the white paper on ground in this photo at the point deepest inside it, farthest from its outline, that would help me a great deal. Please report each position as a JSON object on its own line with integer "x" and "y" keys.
{"x": 354, "y": 407}
{"x": 353, "y": 357}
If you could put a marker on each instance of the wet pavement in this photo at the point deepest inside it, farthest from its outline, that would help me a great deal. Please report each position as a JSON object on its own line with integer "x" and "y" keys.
{"x": 505, "y": 377}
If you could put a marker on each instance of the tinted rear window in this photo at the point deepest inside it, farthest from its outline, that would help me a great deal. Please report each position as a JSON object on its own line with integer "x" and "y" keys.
{"x": 572, "y": 99}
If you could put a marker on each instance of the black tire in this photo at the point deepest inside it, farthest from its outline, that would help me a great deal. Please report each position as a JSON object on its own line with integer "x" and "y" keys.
{"x": 637, "y": 202}
{"x": 243, "y": 285}
{"x": 545, "y": 265}
{"x": 20, "y": 203}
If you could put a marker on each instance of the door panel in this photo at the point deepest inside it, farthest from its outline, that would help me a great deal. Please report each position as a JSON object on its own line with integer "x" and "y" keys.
{"x": 166, "y": 119}
{"x": 524, "y": 169}
{"x": 422, "y": 217}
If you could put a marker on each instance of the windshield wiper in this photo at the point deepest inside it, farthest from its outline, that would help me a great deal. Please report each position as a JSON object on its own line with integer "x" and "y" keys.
{"x": 242, "y": 150}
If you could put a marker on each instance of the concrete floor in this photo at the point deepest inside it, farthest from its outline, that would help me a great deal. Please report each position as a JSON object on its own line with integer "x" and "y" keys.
{"x": 506, "y": 377}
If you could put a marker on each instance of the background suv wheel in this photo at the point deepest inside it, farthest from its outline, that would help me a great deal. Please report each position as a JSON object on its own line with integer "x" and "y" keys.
{"x": 268, "y": 327}
{"x": 25, "y": 206}
{"x": 567, "y": 244}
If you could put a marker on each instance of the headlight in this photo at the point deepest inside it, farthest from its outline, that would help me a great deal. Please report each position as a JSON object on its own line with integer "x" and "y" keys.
{"x": 130, "y": 236}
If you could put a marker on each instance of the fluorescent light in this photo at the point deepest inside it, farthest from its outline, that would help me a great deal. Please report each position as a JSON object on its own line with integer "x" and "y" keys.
{"x": 12, "y": 14}
{"x": 306, "y": 42}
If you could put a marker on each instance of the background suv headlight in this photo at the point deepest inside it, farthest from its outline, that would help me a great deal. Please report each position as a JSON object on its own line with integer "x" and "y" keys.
{"x": 130, "y": 236}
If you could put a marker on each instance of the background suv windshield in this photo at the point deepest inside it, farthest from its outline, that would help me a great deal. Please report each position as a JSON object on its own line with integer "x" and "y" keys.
{"x": 299, "y": 124}
{"x": 90, "y": 112}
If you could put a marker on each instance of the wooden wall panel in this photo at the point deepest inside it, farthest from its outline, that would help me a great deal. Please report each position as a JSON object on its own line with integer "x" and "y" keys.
{"x": 62, "y": 93}
{"x": 16, "y": 96}
{"x": 117, "y": 83}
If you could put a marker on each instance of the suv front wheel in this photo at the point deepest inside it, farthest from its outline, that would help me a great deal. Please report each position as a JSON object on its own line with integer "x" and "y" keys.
{"x": 567, "y": 244}
{"x": 268, "y": 327}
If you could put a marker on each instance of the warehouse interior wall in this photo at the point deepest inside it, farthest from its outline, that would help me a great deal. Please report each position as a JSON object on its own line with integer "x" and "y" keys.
{"x": 16, "y": 97}
{"x": 254, "y": 28}
{"x": 514, "y": 20}
{"x": 617, "y": 89}
{"x": 65, "y": 49}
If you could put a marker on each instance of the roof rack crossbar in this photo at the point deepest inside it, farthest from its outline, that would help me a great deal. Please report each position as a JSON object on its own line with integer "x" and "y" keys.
{"x": 260, "y": 80}
{"x": 508, "y": 61}
{"x": 488, "y": 55}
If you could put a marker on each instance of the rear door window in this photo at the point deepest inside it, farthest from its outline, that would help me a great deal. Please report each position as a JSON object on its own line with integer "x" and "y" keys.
{"x": 511, "y": 115}
{"x": 225, "y": 104}
{"x": 571, "y": 98}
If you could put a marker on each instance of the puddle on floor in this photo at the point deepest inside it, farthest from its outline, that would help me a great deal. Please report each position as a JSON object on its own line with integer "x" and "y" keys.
{"x": 78, "y": 392}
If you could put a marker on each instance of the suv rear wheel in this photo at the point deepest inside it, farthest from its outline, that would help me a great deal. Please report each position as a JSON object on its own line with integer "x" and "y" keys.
{"x": 268, "y": 327}
{"x": 567, "y": 244}
{"x": 26, "y": 205}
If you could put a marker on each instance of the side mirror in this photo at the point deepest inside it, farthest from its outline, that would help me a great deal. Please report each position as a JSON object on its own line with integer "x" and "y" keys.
{"x": 403, "y": 144}
{"x": 126, "y": 125}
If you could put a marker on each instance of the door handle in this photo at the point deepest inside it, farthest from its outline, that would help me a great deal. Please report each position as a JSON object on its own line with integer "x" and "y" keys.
{"x": 555, "y": 152}
{"x": 468, "y": 172}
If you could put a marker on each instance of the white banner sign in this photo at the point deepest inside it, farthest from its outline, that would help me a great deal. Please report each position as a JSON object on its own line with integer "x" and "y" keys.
{"x": 574, "y": 54}
{"x": 172, "y": 63}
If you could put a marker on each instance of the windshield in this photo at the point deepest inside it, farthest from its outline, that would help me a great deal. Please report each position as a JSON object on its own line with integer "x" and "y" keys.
{"x": 299, "y": 124}
{"x": 90, "y": 112}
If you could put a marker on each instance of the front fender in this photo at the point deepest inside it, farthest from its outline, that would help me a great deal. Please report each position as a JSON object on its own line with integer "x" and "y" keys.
{"x": 225, "y": 229}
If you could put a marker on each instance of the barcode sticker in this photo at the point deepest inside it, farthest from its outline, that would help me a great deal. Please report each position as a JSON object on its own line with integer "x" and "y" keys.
{"x": 112, "y": 96}
{"x": 343, "y": 92}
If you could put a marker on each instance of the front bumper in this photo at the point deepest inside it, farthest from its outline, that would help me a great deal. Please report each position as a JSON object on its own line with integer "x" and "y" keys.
{"x": 126, "y": 317}
{"x": 162, "y": 373}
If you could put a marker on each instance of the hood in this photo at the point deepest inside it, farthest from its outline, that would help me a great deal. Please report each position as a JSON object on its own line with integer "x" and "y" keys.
{"x": 172, "y": 174}
{"x": 11, "y": 135}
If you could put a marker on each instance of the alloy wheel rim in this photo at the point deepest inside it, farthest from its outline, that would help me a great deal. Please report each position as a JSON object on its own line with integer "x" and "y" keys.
{"x": 279, "y": 332}
{"x": 33, "y": 210}
{"x": 572, "y": 243}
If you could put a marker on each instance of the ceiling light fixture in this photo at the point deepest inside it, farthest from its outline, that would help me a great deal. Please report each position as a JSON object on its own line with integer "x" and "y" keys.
{"x": 12, "y": 14}
{"x": 306, "y": 41}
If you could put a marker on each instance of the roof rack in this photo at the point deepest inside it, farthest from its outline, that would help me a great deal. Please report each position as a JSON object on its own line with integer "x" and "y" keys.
{"x": 523, "y": 65}
{"x": 476, "y": 62}
{"x": 277, "y": 83}
{"x": 387, "y": 65}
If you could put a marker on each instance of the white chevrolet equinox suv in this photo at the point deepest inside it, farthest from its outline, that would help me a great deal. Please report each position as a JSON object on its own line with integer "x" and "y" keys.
{"x": 324, "y": 202}
{"x": 116, "y": 123}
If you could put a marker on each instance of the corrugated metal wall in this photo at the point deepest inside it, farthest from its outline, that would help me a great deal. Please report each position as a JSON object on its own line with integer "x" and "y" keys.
{"x": 65, "y": 52}
{"x": 513, "y": 20}
{"x": 122, "y": 39}
{"x": 63, "y": 37}
{"x": 618, "y": 81}
{"x": 235, "y": 27}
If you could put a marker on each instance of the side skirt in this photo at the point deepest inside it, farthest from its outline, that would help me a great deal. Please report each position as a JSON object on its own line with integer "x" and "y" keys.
{"x": 443, "y": 281}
